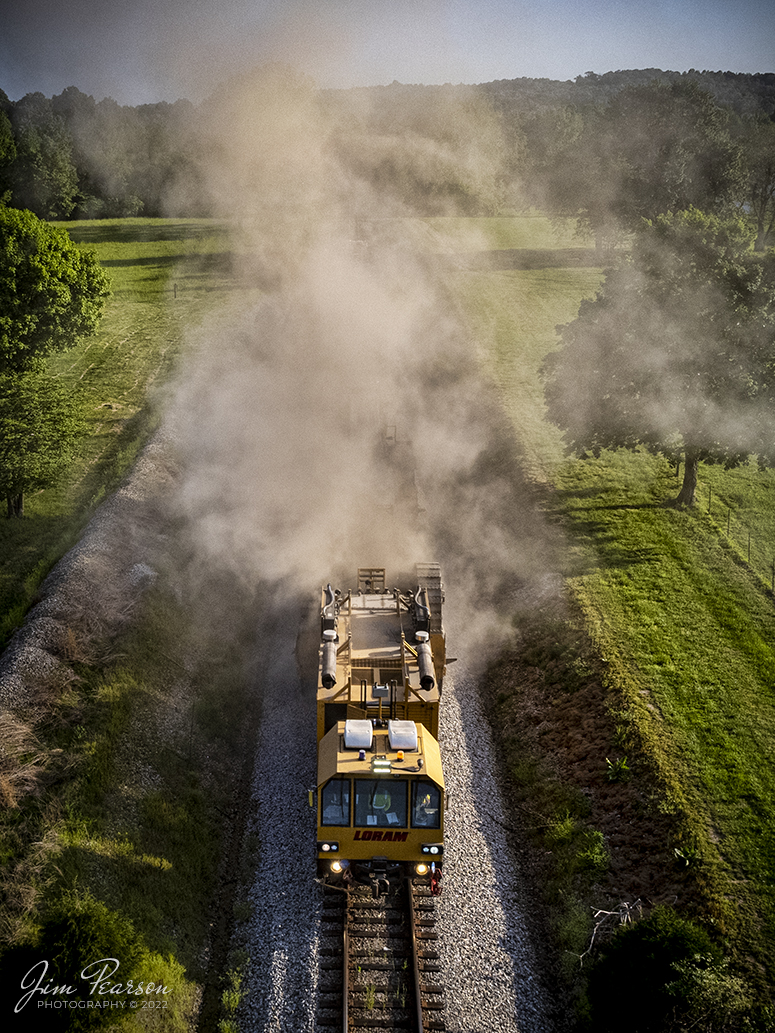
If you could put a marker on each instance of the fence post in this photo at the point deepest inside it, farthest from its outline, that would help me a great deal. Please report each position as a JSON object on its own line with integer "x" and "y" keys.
{"x": 729, "y": 515}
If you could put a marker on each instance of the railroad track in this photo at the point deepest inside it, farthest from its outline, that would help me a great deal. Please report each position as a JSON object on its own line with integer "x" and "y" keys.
{"x": 379, "y": 963}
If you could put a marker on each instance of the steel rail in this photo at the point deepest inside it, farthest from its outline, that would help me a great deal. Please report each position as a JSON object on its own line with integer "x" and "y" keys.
{"x": 346, "y": 967}
{"x": 419, "y": 1026}
{"x": 376, "y": 936}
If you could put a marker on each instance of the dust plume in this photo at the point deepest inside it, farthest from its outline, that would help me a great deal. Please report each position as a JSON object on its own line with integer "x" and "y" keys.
{"x": 339, "y": 419}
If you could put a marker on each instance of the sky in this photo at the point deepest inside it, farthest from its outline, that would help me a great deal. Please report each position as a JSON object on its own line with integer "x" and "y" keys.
{"x": 144, "y": 51}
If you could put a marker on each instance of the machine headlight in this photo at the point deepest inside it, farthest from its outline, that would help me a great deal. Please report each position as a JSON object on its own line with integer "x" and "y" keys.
{"x": 421, "y": 869}
{"x": 433, "y": 848}
{"x": 336, "y": 866}
{"x": 328, "y": 847}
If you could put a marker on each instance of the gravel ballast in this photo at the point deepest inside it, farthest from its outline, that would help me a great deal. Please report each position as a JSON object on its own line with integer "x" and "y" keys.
{"x": 91, "y": 592}
{"x": 489, "y": 961}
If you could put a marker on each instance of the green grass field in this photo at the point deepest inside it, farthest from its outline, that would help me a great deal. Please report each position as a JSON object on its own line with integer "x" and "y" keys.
{"x": 685, "y": 623}
{"x": 165, "y": 274}
{"x": 530, "y": 231}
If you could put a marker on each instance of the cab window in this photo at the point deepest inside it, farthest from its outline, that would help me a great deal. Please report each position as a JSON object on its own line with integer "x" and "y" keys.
{"x": 335, "y": 802}
{"x": 426, "y": 805}
{"x": 380, "y": 802}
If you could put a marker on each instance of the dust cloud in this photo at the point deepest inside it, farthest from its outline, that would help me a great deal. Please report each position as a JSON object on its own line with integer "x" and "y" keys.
{"x": 340, "y": 419}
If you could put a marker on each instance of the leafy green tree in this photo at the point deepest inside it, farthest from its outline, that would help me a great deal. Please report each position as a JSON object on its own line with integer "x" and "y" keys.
{"x": 667, "y": 147}
{"x": 40, "y": 423}
{"x": 652, "y": 149}
{"x": 567, "y": 170}
{"x": 7, "y": 156}
{"x": 51, "y": 293}
{"x": 44, "y": 176}
{"x": 676, "y": 353}
{"x": 434, "y": 150}
{"x": 107, "y": 145}
{"x": 757, "y": 138}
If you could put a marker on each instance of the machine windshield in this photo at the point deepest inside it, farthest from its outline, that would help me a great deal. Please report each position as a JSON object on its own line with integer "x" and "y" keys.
{"x": 426, "y": 805}
{"x": 335, "y": 802}
{"x": 380, "y": 802}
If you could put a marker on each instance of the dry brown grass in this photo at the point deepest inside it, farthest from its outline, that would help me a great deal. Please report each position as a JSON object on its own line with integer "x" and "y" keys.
{"x": 23, "y": 884}
{"x": 26, "y": 769}
{"x": 24, "y": 762}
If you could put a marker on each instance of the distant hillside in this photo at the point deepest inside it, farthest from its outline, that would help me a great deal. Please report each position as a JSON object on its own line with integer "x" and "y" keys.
{"x": 744, "y": 93}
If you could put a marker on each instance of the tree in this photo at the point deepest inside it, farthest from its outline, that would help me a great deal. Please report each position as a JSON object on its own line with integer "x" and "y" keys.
{"x": 434, "y": 150}
{"x": 677, "y": 351}
{"x": 108, "y": 143}
{"x": 650, "y": 150}
{"x": 44, "y": 176}
{"x": 51, "y": 293}
{"x": 569, "y": 172}
{"x": 758, "y": 142}
{"x": 667, "y": 147}
{"x": 7, "y": 155}
{"x": 40, "y": 423}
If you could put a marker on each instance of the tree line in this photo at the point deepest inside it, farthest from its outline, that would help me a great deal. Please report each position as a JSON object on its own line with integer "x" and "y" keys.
{"x": 69, "y": 156}
{"x": 607, "y": 149}
{"x": 665, "y": 146}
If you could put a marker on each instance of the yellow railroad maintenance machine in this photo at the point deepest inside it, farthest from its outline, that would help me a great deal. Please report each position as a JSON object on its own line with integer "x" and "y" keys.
{"x": 380, "y": 785}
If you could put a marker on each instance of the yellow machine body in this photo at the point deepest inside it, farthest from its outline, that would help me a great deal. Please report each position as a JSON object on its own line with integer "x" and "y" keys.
{"x": 380, "y": 784}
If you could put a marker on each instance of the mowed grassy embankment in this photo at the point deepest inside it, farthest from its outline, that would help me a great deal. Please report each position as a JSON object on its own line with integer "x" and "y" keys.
{"x": 683, "y": 624}
{"x": 110, "y": 843}
{"x": 165, "y": 274}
